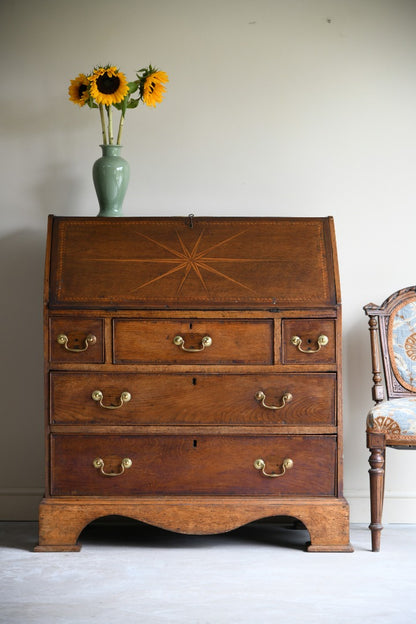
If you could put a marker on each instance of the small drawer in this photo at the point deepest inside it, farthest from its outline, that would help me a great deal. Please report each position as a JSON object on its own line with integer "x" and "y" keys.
{"x": 76, "y": 340}
{"x": 179, "y": 341}
{"x": 167, "y": 464}
{"x": 193, "y": 399}
{"x": 308, "y": 341}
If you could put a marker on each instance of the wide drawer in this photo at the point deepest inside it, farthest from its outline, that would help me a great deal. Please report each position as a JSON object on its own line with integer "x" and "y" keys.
{"x": 192, "y": 465}
{"x": 186, "y": 341}
{"x": 287, "y": 399}
{"x": 76, "y": 340}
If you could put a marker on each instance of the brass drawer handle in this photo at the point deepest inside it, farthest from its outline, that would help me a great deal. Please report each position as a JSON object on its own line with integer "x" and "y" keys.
{"x": 99, "y": 463}
{"x": 180, "y": 342}
{"x": 62, "y": 339}
{"x": 125, "y": 397}
{"x": 260, "y": 464}
{"x": 286, "y": 398}
{"x": 321, "y": 342}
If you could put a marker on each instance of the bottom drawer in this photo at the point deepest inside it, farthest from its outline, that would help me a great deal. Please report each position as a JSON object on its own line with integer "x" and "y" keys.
{"x": 206, "y": 464}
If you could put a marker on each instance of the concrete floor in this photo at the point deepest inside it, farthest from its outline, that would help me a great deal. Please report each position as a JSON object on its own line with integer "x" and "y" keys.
{"x": 131, "y": 573}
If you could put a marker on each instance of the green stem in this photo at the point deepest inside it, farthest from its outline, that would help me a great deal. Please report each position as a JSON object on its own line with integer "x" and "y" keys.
{"x": 110, "y": 125}
{"x": 120, "y": 128}
{"x": 103, "y": 124}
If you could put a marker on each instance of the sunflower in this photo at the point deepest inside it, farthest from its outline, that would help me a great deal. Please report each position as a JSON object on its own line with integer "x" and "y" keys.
{"x": 108, "y": 85}
{"x": 151, "y": 86}
{"x": 78, "y": 90}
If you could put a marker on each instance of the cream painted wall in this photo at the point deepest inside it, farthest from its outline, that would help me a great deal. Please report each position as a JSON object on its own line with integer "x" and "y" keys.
{"x": 274, "y": 107}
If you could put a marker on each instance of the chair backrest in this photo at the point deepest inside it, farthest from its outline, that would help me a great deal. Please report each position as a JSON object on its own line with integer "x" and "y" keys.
{"x": 393, "y": 329}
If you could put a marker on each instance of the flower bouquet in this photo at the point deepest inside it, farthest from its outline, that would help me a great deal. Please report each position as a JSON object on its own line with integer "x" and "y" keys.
{"x": 107, "y": 86}
{"x": 104, "y": 88}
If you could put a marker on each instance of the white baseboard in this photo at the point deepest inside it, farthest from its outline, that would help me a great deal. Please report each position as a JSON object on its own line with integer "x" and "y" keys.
{"x": 399, "y": 507}
{"x": 19, "y": 504}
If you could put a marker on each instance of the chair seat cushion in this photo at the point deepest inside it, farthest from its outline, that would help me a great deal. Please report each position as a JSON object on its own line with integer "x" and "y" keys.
{"x": 396, "y": 417}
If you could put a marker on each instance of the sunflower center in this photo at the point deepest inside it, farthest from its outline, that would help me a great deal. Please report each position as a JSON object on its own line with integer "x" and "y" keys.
{"x": 81, "y": 90}
{"x": 152, "y": 87}
{"x": 107, "y": 84}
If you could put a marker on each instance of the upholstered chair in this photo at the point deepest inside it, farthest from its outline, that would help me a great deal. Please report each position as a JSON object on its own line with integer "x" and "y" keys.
{"x": 391, "y": 422}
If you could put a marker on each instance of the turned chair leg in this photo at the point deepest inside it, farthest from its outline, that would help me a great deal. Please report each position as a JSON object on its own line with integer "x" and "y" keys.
{"x": 377, "y": 463}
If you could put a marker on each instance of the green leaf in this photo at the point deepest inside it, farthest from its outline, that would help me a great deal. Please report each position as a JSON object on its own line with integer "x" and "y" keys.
{"x": 133, "y": 86}
{"x": 133, "y": 103}
{"x": 91, "y": 103}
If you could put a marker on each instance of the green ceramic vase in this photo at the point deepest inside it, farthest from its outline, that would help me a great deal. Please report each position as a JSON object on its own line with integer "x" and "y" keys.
{"x": 111, "y": 174}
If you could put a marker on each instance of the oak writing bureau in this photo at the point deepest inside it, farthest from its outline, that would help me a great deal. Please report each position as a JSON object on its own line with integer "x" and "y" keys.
{"x": 192, "y": 375}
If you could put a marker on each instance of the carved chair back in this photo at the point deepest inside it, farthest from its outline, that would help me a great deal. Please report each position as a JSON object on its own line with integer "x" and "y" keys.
{"x": 393, "y": 328}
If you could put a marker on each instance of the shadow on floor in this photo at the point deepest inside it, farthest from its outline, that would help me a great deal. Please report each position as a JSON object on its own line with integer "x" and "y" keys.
{"x": 122, "y": 532}
{"x": 117, "y": 531}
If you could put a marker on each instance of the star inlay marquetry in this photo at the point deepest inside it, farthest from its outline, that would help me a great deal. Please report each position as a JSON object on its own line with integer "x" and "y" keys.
{"x": 190, "y": 260}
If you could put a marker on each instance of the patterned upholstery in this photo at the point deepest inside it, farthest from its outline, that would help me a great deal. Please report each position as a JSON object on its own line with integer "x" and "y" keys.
{"x": 396, "y": 417}
{"x": 402, "y": 341}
